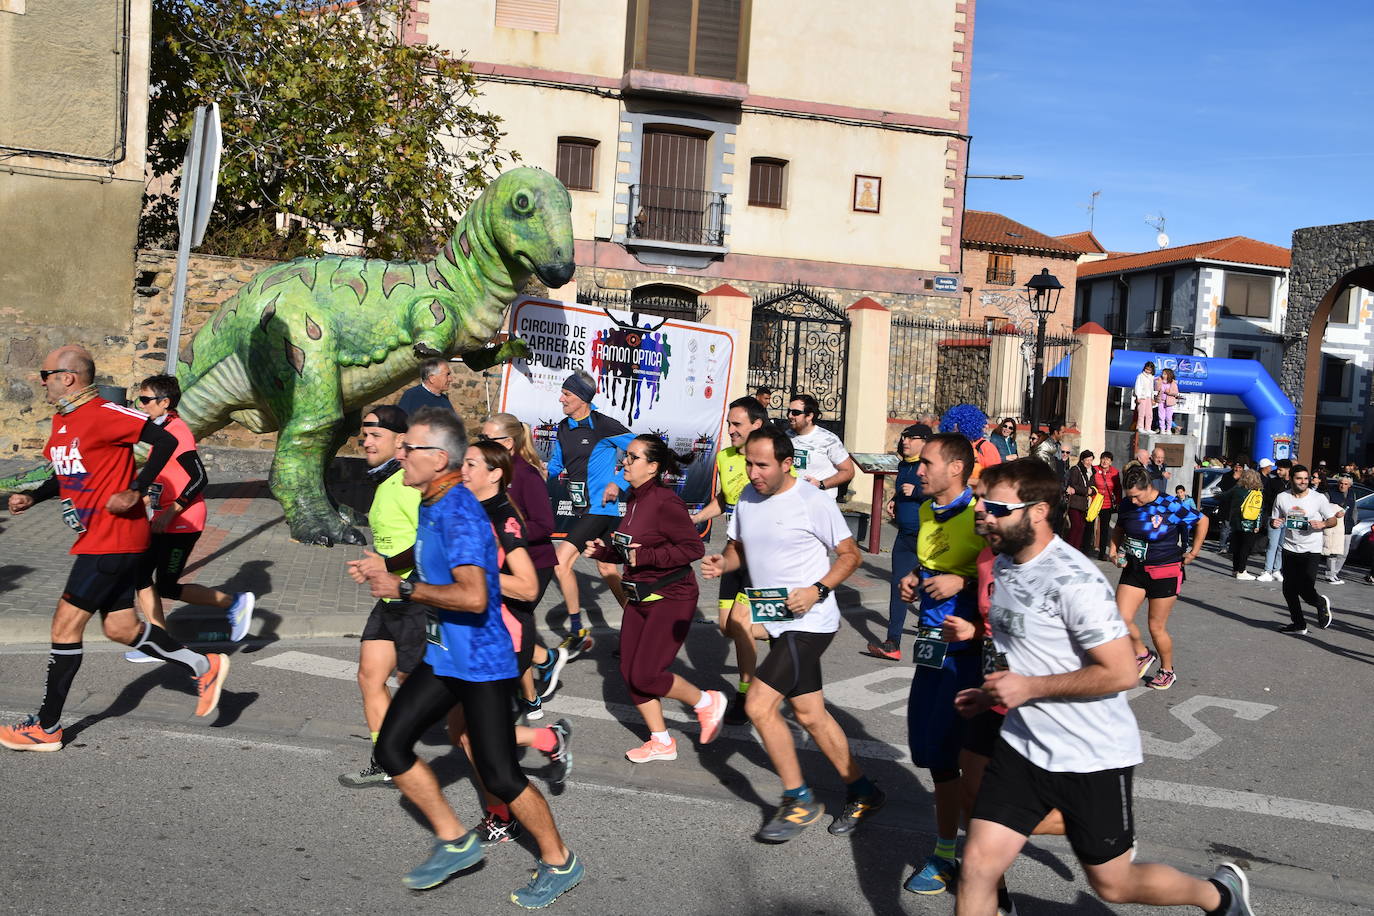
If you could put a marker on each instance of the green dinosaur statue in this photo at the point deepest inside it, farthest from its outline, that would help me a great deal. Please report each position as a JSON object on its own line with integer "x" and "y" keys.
{"x": 304, "y": 346}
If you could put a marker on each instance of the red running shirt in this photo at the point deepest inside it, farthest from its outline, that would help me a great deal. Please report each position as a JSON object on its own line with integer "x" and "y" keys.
{"x": 174, "y": 479}
{"x": 91, "y": 450}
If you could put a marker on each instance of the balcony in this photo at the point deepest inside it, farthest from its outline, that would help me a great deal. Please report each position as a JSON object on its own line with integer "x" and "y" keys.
{"x": 680, "y": 216}
{"x": 998, "y": 276}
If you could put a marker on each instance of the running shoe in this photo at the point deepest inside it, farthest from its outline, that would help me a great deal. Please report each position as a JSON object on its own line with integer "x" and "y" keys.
{"x": 548, "y": 673}
{"x": 1143, "y": 662}
{"x": 1265, "y": 576}
{"x": 1278, "y": 576}
{"x": 1230, "y": 876}
{"x": 734, "y": 713}
{"x": 791, "y": 818}
{"x": 139, "y": 658}
{"x": 1245, "y": 576}
{"x": 653, "y": 749}
{"x": 531, "y": 710}
{"x": 241, "y": 615}
{"x": 548, "y": 883}
{"x": 576, "y": 644}
{"x": 28, "y": 735}
{"x": 857, "y": 808}
{"x": 1163, "y": 680}
{"x": 1294, "y": 628}
{"x": 711, "y": 715}
{"x": 937, "y": 876}
{"x": 366, "y": 778}
{"x": 208, "y": 685}
{"x": 1005, "y": 905}
{"x": 1324, "y": 613}
{"x": 447, "y": 859}
{"x": 495, "y": 829}
{"x": 1334, "y": 580}
{"x": 560, "y": 757}
{"x": 886, "y": 649}
{"x": 1368, "y": 580}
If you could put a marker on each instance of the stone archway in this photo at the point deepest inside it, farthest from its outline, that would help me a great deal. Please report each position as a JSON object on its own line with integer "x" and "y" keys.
{"x": 1326, "y": 260}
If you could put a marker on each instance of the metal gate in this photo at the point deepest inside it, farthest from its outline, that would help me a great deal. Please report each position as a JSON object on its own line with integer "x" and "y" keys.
{"x": 799, "y": 344}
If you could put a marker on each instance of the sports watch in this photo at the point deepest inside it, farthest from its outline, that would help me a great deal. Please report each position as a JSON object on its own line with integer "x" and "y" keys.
{"x": 405, "y": 588}
{"x": 822, "y": 591}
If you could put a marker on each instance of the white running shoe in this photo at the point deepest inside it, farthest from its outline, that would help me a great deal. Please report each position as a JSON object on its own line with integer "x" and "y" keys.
{"x": 1265, "y": 576}
{"x": 241, "y": 616}
{"x": 1245, "y": 576}
{"x": 1278, "y": 576}
{"x": 139, "y": 658}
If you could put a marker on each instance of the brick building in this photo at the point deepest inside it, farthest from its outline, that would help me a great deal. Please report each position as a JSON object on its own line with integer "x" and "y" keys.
{"x": 1000, "y": 256}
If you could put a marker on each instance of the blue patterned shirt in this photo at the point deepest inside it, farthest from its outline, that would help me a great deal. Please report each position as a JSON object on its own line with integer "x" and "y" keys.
{"x": 1157, "y": 529}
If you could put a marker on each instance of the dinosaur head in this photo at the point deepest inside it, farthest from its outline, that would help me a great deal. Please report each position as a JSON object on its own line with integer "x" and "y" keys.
{"x": 529, "y": 218}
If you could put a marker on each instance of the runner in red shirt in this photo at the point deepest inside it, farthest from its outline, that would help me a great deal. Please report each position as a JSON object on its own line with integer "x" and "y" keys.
{"x": 91, "y": 450}
{"x": 176, "y": 509}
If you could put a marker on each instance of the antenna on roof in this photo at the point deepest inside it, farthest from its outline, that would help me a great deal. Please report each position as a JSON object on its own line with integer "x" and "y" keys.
{"x": 1162, "y": 240}
{"x": 1091, "y": 207}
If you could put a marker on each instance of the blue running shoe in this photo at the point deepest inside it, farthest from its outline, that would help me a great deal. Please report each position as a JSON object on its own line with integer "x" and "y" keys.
{"x": 449, "y": 858}
{"x": 548, "y": 883}
{"x": 938, "y": 876}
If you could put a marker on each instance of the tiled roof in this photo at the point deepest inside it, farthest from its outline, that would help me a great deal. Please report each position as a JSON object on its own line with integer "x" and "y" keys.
{"x": 994, "y": 229}
{"x": 1237, "y": 249}
{"x": 1085, "y": 242}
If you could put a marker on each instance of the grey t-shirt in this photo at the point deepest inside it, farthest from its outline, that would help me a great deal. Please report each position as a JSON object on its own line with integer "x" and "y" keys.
{"x": 1046, "y": 614}
{"x": 1293, "y": 510}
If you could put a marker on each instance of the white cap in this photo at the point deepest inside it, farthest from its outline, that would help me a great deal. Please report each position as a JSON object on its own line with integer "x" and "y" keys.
{"x": 1265, "y": 463}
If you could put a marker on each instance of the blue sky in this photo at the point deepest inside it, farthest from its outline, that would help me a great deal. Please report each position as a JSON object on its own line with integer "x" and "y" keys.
{"x": 1229, "y": 117}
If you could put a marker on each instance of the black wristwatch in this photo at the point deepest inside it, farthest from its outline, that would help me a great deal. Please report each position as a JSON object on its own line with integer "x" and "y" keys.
{"x": 405, "y": 588}
{"x": 822, "y": 591}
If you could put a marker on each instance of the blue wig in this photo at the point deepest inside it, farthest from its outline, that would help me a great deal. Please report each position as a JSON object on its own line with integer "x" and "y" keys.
{"x": 966, "y": 420}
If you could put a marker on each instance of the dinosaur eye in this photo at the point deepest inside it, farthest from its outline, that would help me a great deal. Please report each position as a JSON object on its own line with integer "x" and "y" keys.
{"x": 522, "y": 203}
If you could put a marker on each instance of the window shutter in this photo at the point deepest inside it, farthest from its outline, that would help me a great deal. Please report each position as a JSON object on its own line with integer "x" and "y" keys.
{"x": 765, "y": 182}
{"x": 718, "y": 24}
{"x": 532, "y": 15}
{"x": 668, "y": 44}
{"x": 576, "y": 163}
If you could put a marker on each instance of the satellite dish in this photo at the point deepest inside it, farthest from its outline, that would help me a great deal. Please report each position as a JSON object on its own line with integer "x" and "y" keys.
{"x": 1162, "y": 240}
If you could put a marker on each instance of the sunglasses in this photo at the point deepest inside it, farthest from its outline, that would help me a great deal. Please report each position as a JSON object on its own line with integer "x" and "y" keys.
{"x": 44, "y": 374}
{"x": 1007, "y": 426}
{"x": 631, "y": 458}
{"x": 1000, "y": 510}
{"x": 795, "y": 413}
{"x": 147, "y": 399}
{"x": 485, "y": 438}
{"x": 408, "y": 448}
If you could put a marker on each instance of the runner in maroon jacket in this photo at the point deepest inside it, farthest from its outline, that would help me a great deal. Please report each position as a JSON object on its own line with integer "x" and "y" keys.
{"x": 657, "y": 542}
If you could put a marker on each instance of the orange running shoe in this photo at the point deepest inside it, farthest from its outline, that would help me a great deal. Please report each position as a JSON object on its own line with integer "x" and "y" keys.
{"x": 208, "y": 685}
{"x": 28, "y": 735}
{"x": 652, "y": 749}
{"x": 711, "y": 716}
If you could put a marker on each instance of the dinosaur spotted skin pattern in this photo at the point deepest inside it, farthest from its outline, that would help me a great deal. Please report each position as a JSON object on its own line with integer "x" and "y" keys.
{"x": 306, "y": 345}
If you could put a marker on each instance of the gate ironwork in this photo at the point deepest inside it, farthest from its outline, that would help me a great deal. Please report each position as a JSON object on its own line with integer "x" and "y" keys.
{"x": 799, "y": 344}
{"x": 679, "y": 307}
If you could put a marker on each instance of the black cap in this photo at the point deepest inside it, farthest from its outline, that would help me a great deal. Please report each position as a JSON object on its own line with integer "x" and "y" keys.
{"x": 917, "y": 431}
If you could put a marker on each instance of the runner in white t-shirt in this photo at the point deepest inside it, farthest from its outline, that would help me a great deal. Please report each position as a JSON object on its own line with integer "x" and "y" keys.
{"x": 1302, "y": 513}
{"x": 1069, "y": 740}
{"x": 786, "y": 530}
{"x": 820, "y": 457}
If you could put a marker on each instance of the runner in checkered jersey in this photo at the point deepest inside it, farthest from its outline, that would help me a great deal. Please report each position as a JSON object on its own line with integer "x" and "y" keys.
{"x": 1148, "y": 545}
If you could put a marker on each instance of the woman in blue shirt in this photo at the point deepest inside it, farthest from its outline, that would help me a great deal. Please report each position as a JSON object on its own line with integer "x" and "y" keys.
{"x": 1004, "y": 438}
{"x": 905, "y": 509}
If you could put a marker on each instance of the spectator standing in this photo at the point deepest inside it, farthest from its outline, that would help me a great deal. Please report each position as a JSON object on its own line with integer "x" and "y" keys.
{"x": 1343, "y": 498}
{"x": 1246, "y": 500}
{"x": 1158, "y": 470}
{"x": 905, "y": 509}
{"x": 1166, "y": 398}
{"x": 1004, "y": 439}
{"x": 1144, "y": 397}
{"x": 1079, "y": 490}
{"x": 1107, "y": 479}
{"x": 1275, "y": 484}
{"x": 432, "y": 391}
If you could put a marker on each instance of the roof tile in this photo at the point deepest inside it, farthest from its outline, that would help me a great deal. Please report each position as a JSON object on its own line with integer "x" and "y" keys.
{"x": 1237, "y": 249}
{"x": 984, "y": 228}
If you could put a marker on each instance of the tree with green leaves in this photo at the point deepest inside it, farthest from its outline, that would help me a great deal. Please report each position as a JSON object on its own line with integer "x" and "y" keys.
{"x": 329, "y": 117}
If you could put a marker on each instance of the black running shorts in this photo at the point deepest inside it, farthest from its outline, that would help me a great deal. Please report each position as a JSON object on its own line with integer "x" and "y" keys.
{"x": 590, "y": 527}
{"x": 1155, "y": 581}
{"x": 1098, "y": 817}
{"x": 403, "y": 623}
{"x": 165, "y": 560}
{"x": 102, "y": 582}
{"x": 733, "y": 584}
{"x": 793, "y": 664}
{"x": 982, "y": 732}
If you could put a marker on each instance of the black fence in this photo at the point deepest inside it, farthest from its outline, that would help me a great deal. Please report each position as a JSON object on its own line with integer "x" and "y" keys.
{"x": 684, "y": 215}
{"x": 681, "y": 308}
{"x": 935, "y": 365}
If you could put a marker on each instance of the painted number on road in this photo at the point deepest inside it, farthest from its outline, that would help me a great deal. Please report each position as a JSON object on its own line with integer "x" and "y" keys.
{"x": 1202, "y": 738}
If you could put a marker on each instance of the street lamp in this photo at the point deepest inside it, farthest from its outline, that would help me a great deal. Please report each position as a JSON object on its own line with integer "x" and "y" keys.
{"x": 1042, "y": 290}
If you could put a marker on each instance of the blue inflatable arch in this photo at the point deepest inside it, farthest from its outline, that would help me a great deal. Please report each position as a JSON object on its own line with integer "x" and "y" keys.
{"x": 1275, "y": 418}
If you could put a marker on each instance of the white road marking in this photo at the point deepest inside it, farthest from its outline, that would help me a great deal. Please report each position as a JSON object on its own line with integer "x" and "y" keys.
{"x": 1255, "y": 803}
{"x": 240, "y": 742}
{"x": 1203, "y": 738}
{"x": 318, "y": 665}
{"x": 628, "y": 790}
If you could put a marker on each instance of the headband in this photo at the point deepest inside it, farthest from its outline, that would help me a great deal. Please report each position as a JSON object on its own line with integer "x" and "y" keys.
{"x": 580, "y": 387}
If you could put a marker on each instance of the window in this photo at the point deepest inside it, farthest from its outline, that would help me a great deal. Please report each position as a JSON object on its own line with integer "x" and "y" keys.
{"x": 577, "y": 163}
{"x": 1346, "y": 304}
{"x": 1245, "y": 353}
{"x": 1333, "y": 377}
{"x": 765, "y": 182}
{"x": 1248, "y": 296}
{"x": 705, "y": 38}
{"x": 1000, "y": 271}
{"x": 531, "y": 15}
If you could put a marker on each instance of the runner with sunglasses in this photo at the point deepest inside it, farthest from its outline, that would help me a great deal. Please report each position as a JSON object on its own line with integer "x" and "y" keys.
{"x": 820, "y": 456}
{"x": 657, "y": 543}
{"x": 1147, "y": 545}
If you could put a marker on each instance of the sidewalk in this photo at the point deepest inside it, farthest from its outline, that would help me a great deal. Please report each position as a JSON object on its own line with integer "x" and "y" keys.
{"x": 302, "y": 591}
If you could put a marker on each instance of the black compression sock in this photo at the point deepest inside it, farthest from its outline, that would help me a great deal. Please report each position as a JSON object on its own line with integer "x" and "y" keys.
{"x": 1225, "y": 899}
{"x": 63, "y": 663}
{"x": 158, "y": 643}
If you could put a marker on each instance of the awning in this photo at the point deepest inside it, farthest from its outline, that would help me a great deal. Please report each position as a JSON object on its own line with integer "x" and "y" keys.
{"x": 1061, "y": 368}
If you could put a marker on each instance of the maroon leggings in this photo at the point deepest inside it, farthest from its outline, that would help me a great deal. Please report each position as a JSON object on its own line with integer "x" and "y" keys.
{"x": 650, "y": 638}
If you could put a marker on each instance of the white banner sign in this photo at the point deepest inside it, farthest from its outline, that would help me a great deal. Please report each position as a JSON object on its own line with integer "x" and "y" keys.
{"x": 655, "y": 375}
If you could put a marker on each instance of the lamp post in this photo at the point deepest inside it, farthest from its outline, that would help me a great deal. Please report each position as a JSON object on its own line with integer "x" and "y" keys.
{"x": 1043, "y": 291}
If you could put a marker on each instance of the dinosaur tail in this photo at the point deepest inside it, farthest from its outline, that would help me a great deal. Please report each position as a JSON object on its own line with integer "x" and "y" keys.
{"x": 27, "y": 481}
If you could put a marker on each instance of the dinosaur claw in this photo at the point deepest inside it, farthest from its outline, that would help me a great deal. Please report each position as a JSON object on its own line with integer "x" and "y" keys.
{"x": 424, "y": 350}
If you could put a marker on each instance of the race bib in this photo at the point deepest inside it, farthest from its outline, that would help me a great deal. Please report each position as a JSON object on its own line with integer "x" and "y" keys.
{"x": 993, "y": 661}
{"x": 72, "y": 517}
{"x": 930, "y": 648}
{"x": 1136, "y": 547}
{"x": 1295, "y": 522}
{"x": 1249, "y": 524}
{"x": 577, "y": 492}
{"x": 154, "y": 505}
{"x": 800, "y": 457}
{"x": 768, "y": 605}
{"x": 433, "y": 635}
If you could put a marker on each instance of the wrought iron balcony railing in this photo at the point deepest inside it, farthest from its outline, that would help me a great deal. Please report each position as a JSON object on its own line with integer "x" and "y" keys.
{"x": 999, "y": 277}
{"x": 684, "y": 215}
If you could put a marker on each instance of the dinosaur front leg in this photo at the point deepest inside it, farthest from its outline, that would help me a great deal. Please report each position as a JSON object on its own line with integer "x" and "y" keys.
{"x": 297, "y": 481}
{"x": 486, "y": 357}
